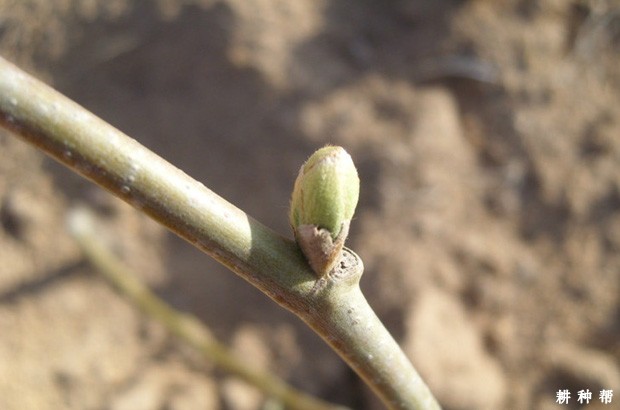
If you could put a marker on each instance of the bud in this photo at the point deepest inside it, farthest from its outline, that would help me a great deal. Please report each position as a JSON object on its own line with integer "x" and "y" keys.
{"x": 323, "y": 202}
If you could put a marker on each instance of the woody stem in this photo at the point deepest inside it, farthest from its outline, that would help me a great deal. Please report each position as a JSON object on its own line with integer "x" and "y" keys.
{"x": 88, "y": 145}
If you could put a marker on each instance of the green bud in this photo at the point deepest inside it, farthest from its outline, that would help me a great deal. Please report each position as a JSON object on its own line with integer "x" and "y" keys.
{"x": 323, "y": 203}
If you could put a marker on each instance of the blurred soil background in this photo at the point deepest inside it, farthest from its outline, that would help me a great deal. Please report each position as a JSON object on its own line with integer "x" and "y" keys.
{"x": 487, "y": 136}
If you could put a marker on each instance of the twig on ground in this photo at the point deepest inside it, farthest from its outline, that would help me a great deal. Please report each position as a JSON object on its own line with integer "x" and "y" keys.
{"x": 185, "y": 326}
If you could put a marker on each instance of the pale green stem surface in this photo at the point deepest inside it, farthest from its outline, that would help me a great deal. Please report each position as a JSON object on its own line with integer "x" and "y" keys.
{"x": 106, "y": 156}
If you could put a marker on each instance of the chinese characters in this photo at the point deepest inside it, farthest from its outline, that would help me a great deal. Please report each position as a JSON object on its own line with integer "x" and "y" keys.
{"x": 563, "y": 396}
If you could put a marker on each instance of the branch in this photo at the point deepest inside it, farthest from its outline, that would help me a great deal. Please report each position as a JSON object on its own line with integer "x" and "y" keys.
{"x": 333, "y": 306}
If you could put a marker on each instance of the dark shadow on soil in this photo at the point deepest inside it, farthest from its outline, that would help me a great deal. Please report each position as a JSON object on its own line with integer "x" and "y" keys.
{"x": 170, "y": 85}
